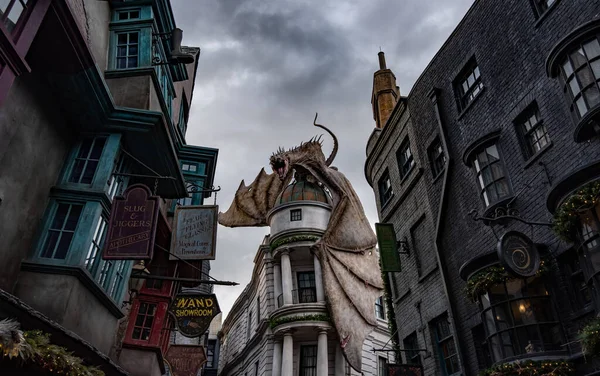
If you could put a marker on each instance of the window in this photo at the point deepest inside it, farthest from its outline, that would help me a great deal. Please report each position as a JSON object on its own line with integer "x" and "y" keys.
{"x": 405, "y": 159}
{"x": 257, "y": 311}
{"x": 256, "y": 369}
{"x": 249, "y": 326}
{"x": 381, "y": 366}
{"x": 580, "y": 76}
{"x": 446, "y": 347}
{"x": 484, "y": 360}
{"x": 385, "y": 188}
{"x": 519, "y": 318}
{"x": 437, "y": 158}
{"x": 210, "y": 353}
{"x": 296, "y": 215}
{"x": 93, "y": 257}
{"x": 195, "y": 175}
{"x": 582, "y": 296}
{"x": 308, "y": 360}
{"x": 541, "y": 6}
{"x": 87, "y": 159}
{"x": 468, "y": 85}
{"x": 159, "y": 270}
{"x": 490, "y": 175}
{"x": 411, "y": 345}
{"x": 117, "y": 183}
{"x": 127, "y": 50}
{"x": 61, "y": 231}
{"x": 532, "y": 131}
{"x": 11, "y": 12}
{"x": 307, "y": 292}
{"x": 182, "y": 122}
{"x": 131, "y": 14}
{"x": 143, "y": 322}
{"x": 379, "y": 308}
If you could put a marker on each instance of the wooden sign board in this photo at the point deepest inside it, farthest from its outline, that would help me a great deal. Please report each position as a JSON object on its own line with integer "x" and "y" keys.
{"x": 194, "y": 233}
{"x": 185, "y": 360}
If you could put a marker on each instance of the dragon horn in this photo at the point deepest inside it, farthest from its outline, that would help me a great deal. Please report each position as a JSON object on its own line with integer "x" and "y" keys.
{"x": 335, "y": 141}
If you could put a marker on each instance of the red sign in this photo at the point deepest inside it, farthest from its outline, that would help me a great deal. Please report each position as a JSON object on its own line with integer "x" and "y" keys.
{"x": 132, "y": 225}
{"x": 185, "y": 360}
{"x": 404, "y": 370}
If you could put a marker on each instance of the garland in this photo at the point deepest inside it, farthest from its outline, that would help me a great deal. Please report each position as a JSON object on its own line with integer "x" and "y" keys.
{"x": 590, "y": 338}
{"x": 284, "y": 320}
{"x": 481, "y": 281}
{"x": 292, "y": 239}
{"x": 34, "y": 347}
{"x": 566, "y": 219}
{"x": 530, "y": 368}
{"x": 391, "y": 315}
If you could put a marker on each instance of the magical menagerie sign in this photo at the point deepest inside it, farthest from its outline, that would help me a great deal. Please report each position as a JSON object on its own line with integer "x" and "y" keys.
{"x": 132, "y": 225}
{"x": 194, "y": 233}
{"x": 194, "y": 312}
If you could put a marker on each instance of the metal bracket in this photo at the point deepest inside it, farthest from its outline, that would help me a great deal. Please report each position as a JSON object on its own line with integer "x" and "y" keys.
{"x": 404, "y": 246}
{"x": 503, "y": 214}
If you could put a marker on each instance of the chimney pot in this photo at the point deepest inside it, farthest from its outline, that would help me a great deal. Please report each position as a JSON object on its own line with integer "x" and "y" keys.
{"x": 381, "y": 60}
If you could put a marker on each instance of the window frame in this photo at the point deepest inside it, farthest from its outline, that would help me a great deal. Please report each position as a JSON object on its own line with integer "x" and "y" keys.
{"x": 380, "y": 308}
{"x": 306, "y": 294}
{"x": 411, "y": 347}
{"x": 464, "y": 97}
{"x": 382, "y": 368}
{"x": 14, "y": 33}
{"x": 521, "y": 122}
{"x": 405, "y": 159}
{"x": 484, "y": 187}
{"x": 539, "y": 10}
{"x": 157, "y": 324}
{"x": 49, "y": 228}
{"x": 439, "y": 343}
{"x": 385, "y": 193}
{"x": 295, "y": 215}
{"x": 303, "y": 369}
{"x": 436, "y": 153}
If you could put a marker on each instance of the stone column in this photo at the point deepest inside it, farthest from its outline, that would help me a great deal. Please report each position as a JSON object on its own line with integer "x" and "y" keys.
{"x": 277, "y": 282}
{"x": 276, "y": 358}
{"x": 286, "y": 277}
{"x": 318, "y": 279}
{"x": 322, "y": 362}
{"x": 287, "y": 358}
{"x": 340, "y": 362}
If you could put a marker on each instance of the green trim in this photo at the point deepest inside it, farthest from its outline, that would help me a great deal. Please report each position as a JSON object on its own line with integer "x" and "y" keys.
{"x": 284, "y": 320}
{"x": 531, "y": 368}
{"x": 567, "y": 217}
{"x": 292, "y": 239}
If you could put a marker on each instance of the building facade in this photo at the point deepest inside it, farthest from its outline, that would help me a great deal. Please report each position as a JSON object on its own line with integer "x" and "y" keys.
{"x": 497, "y": 135}
{"x": 280, "y": 324}
{"x": 94, "y": 97}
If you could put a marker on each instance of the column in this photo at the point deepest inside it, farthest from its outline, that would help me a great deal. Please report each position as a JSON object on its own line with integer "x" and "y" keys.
{"x": 286, "y": 277}
{"x": 276, "y": 358}
{"x": 277, "y": 283}
{"x": 287, "y": 358}
{"x": 318, "y": 280}
{"x": 339, "y": 361}
{"x": 322, "y": 363}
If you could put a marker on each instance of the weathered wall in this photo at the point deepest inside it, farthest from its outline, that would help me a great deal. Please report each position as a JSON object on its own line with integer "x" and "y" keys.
{"x": 33, "y": 146}
{"x": 139, "y": 363}
{"x": 133, "y": 92}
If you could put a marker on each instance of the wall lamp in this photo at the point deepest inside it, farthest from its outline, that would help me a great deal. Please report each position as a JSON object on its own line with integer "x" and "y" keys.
{"x": 136, "y": 283}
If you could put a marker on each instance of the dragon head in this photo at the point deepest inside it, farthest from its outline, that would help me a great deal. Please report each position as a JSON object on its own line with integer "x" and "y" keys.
{"x": 284, "y": 160}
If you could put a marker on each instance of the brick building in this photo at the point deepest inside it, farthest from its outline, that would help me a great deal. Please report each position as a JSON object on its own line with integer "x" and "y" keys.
{"x": 498, "y": 134}
{"x": 94, "y": 97}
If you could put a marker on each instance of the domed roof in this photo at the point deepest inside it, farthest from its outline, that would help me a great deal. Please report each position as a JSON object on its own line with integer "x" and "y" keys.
{"x": 302, "y": 190}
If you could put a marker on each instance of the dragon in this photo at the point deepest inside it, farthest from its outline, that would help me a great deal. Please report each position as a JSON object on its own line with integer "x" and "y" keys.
{"x": 351, "y": 275}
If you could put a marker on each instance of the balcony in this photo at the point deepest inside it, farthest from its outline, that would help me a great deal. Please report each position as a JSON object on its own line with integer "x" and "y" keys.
{"x": 300, "y": 296}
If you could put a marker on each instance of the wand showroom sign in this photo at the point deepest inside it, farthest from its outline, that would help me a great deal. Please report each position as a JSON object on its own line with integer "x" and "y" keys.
{"x": 194, "y": 312}
{"x": 132, "y": 225}
{"x": 194, "y": 233}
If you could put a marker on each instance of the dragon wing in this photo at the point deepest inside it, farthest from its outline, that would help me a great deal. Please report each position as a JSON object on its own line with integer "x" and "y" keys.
{"x": 252, "y": 203}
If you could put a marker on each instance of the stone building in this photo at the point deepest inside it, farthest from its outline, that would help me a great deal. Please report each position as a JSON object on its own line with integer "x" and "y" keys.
{"x": 498, "y": 134}
{"x": 280, "y": 324}
{"x": 94, "y": 97}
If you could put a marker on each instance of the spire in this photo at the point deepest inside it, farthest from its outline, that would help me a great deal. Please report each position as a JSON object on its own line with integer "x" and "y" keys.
{"x": 385, "y": 93}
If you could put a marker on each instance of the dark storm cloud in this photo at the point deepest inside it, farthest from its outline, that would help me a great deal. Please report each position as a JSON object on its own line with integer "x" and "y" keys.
{"x": 268, "y": 65}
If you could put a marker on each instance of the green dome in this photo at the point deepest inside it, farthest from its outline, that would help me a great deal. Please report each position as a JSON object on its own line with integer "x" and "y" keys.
{"x": 302, "y": 191}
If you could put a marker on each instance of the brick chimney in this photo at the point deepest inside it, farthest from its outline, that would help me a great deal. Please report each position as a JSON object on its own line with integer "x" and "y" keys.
{"x": 385, "y": 93}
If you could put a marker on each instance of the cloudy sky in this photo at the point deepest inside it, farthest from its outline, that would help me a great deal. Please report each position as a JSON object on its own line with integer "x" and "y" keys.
{"x": 267, "y": 66}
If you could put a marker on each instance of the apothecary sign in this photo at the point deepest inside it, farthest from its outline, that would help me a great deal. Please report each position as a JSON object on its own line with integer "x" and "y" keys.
{"x": 194, "y": 233}
{"x": 185, "y": 360}
{"x": 194, "y": 312}
{"x": 132, "y": 225}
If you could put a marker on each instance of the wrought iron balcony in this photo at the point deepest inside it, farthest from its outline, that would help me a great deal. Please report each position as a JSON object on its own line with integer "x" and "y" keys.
{"x": 300, "y": 296}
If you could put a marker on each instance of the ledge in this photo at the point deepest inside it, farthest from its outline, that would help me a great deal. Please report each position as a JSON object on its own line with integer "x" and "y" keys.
{"x": 82, "y": 275}
{"x": 570, "y": 182}
{"x": 299, "y": 309}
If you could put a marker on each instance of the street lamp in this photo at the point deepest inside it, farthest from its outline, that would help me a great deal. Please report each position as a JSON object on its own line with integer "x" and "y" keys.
{"x": 135, "y": 282}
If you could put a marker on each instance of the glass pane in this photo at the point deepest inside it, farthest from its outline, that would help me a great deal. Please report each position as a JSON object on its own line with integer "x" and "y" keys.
{"x": 567, "y": 68}
{"x": 578, "y": 58}
{"x": 132, "y": 62}
{"x": 63, "y": 245}
{"x": 489, "y": 321}
{"x": 487, "y": 176}
{"x": 581, "y": 106}
{"x": 88, "y": 173}
{"x": 585, "y": 77}
{"x": 139, "y": 321}
{"x": 137, "y": 333}
{"x": 84, "y": 150}
{"x": 134, "y": 14}
{"x": 133, "y": 37}
{"x": 596, "y": 68}
{"x": 465, "y": 87}
{"x": 149, "y": 321}
{"x": 74, "y": 214}
{"x": 121, "y": 63}
{"x": 523, "y": 313}
{"x": 476, "y": 72}
{"x": 502, "y": 188}
{"x": 143, "y": 307}
{"x": 503, "y": 318}
{"x": 50, "y": 243}
{"x": 98, "y": 147}
{"x": 592, "y": 49}
{"x": 551, "y": 337}
{"x": 574, "y": 85}
{"x": 59, "y": 216}
{"x": 13, "y": 16}
{"x": 497, "y": 171}
{"x": 496, "y": 348}
{"x": 492, "y": 153}
{"x": 529, "y": 340}
{"x": 497, "y": 293}
{"x": 542, "y": 310}
{"x": 145, "y": 334}
{"x": 133, "y": 50}
{"x": 508, "y": 342}
{"x": 470, "y": 80}
{"x": 122, "y": 39}
{"x": 514, "y": 287}
{"x": 592, "y": 95}
{"x": 123, "y": 16}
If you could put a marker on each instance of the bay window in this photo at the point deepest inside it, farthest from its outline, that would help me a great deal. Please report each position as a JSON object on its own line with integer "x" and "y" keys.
{"x": 491, "y": 175}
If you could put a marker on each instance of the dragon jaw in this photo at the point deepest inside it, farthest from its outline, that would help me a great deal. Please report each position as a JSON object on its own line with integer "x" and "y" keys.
{"x": 280, "y": 165}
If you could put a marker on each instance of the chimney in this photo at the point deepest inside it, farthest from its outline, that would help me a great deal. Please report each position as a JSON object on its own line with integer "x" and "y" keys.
{"x": 385, "y": 93}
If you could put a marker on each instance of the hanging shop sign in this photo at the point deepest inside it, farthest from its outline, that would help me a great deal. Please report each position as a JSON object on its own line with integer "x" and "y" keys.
{"x": 185, "y": 360}
{"x": 194, "y": 312}
{"x": 404, "y": 370}
{"x": 518, "y": 254}
{"x": 132, "y": 225}
{"x": 388, "y": 247}
{"x": 194, "y": 233}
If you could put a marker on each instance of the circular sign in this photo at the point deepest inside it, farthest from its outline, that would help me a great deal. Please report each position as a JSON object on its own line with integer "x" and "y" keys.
{"x": 518, "y": 254}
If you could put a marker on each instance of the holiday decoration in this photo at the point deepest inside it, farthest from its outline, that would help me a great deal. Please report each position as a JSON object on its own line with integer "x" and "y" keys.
{"x": 590, "y": 338}
{"x": 34, "y": 348}
{"x": 566, "y": 219}
{"x": 284, "y": 320}
{"x": 292, "y": 239}
{"x": 530, "y": 368}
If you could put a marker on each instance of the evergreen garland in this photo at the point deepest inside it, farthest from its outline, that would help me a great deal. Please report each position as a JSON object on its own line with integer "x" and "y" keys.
{"x": 292, "y": 239}
{"x": 590, "y": 338}
{"x": 530, "y": 368}
{"x": 285, "y": 320}
{"x": 566, "y": 219}
{"x": 34, "y": 348}
{"x": 481, "y": 281}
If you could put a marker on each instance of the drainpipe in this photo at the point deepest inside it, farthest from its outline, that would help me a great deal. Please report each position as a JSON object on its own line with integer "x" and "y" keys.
{"x": 433, "y": 96}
